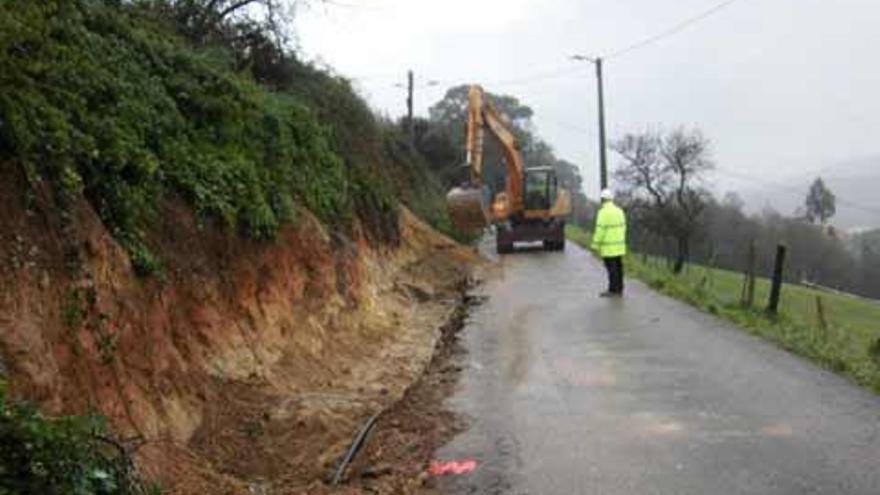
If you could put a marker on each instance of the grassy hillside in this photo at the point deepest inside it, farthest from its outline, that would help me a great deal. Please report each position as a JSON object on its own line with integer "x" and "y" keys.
{"x": 850, "y": 344}
{"x": 103, "y": 102}
{"x": 101, "y": 99}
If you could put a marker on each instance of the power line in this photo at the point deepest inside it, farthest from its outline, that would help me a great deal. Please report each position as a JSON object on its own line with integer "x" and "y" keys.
{"x": 568, "y": 69}
{"x": 681, "y": 26}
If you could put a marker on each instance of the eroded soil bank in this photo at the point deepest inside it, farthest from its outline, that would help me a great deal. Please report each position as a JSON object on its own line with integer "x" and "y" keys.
{"x": 247, "y": 366}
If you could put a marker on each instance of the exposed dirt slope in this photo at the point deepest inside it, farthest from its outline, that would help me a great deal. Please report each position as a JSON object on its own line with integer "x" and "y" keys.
{"x": 246, "y": 363}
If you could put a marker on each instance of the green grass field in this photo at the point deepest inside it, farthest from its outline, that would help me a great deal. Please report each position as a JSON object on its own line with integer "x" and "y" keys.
{"x": 850, "y": 345}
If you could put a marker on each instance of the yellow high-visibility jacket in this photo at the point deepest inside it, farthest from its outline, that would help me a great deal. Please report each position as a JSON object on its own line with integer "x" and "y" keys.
{"x": 609, "y": 236}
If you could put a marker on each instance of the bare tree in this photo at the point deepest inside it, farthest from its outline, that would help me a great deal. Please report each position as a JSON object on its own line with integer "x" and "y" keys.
{"x": 257, "y": 34}
{"x": 230, "y": 21}
{"x": 662, "y": 176}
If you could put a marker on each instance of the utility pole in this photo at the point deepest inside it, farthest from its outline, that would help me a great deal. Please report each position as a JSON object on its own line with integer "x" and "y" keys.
{"x": 410, "y": 88}
{"x": 603, "y": 163}
{"x": 603, "y": 159}
{"x": 409, "y": 108}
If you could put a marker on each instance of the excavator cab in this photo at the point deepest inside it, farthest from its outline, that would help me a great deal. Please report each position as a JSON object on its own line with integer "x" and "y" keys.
{"x": 541, "y": 188}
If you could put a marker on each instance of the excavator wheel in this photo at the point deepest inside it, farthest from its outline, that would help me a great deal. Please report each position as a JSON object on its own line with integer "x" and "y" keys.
{"x": 503, "y": 240}
{"x": 554, "y": 245}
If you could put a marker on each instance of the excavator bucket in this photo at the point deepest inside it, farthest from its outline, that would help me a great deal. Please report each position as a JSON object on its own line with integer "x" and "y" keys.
{"x": 465, "y": 205}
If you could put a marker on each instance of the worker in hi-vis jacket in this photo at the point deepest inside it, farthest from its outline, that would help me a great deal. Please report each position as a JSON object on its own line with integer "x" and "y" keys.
{"x": 609, "y": 241}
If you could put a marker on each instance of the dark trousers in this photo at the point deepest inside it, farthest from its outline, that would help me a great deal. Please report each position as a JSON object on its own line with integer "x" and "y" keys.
{"x": 614, "y": 266}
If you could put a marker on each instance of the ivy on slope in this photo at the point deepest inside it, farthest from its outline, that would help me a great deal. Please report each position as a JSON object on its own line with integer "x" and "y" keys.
{"x": 388, "y": 164}
{"x": 99, "y": 99}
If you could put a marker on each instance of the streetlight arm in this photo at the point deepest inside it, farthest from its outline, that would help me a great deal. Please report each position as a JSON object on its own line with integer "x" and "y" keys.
{"x": 583, "y": 58}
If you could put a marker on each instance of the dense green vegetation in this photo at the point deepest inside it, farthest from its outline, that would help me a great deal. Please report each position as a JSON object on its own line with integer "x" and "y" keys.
{"x": 94, "y": 98}
{"x": 103, "y": 98}
{"x": 60, "y": 456}
{"x": 119, "y": 103}
{"x": 850, "y": 344}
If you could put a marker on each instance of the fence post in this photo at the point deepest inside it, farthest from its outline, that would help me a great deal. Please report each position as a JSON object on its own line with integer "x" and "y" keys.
{"x": 753, "y": 268}
{"x": 709, "y": 272}
{"x": 776, "y": 288}
{"x": 747, "y": 297}
{"x": 820, "y": 315}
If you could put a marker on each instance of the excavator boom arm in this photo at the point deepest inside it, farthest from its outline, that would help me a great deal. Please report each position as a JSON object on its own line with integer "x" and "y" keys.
{"x": 512, "y": 159}
{"x": 475, "y": 134}
{"x": 482, "y": 113}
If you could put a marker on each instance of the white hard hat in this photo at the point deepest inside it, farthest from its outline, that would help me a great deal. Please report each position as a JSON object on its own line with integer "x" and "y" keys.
{"x": 606, "y": 194}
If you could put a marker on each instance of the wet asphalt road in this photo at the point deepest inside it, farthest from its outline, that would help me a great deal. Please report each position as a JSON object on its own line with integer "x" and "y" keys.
{"x": 567, "y": 393}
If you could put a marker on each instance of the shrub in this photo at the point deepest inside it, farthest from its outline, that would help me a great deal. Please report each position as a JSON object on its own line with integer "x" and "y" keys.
{"x": 61, "y": 456}
{"x": 95, "y": 98}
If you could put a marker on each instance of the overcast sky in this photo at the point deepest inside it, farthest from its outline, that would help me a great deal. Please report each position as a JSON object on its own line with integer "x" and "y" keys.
{"x": 782, "y": 88}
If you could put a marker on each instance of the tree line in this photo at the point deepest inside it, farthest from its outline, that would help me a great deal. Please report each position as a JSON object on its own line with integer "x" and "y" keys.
{"x": 661, "y": 177}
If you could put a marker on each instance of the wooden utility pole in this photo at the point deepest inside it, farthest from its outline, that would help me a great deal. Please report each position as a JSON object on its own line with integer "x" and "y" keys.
{"x": 748, "y": 290}
{"x": 603, "y": 165}
{"x": 776, "y": 288}
{"x": 821, "y": 319}
{"x": 409, "y": 107}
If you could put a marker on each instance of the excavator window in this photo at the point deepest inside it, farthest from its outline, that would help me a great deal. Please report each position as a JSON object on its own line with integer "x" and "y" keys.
{"x": 540, "y": 189}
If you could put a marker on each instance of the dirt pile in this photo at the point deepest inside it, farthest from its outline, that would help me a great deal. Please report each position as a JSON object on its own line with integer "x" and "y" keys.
{"x": 246, "y": 362}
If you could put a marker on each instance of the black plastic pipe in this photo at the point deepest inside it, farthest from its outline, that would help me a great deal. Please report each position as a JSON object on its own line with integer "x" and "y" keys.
{"x": 355, "y": 447}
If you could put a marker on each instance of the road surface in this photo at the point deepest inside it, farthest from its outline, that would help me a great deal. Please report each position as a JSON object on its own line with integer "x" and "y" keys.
{"x": 567, "y": 393}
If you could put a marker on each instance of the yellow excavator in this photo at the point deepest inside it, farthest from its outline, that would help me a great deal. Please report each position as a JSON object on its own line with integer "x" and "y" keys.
{"x": 532, "y": 207}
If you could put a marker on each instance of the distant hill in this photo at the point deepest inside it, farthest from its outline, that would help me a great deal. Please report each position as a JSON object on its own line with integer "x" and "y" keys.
{"x": 855, "y": 183}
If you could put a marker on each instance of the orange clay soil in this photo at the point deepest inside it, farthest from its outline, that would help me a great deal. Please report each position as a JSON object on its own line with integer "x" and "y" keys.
{"x": 248, "y": 366}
